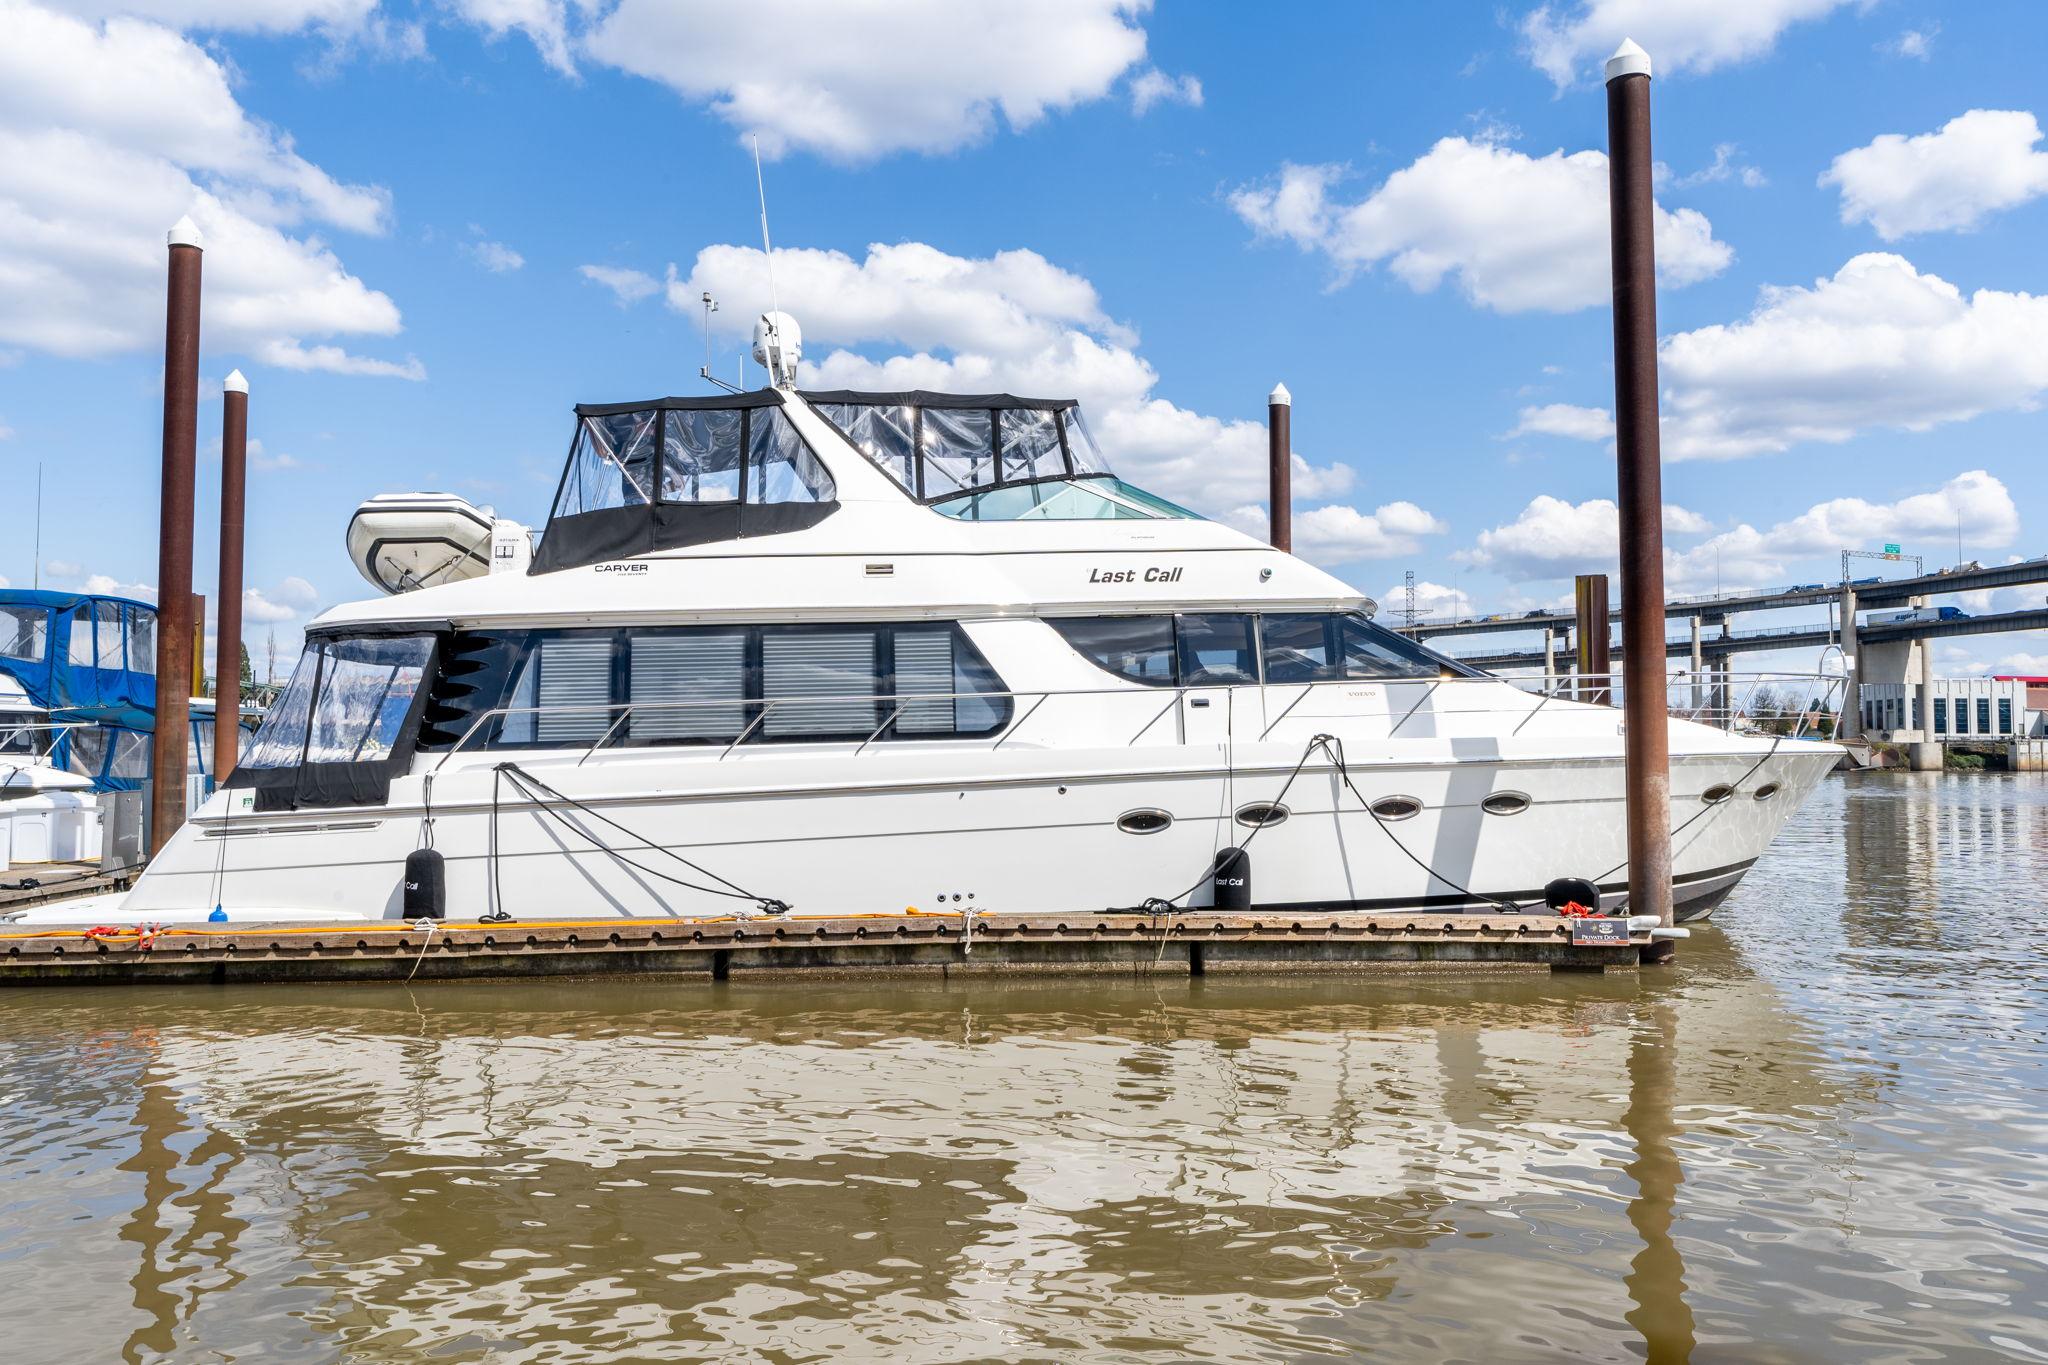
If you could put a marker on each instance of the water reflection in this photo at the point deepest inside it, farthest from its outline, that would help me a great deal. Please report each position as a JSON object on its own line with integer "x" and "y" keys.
{"x": 1754, "y": 1150}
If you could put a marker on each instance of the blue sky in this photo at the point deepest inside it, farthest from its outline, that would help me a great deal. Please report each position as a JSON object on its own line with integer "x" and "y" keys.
{"x": 1397, "y": 210}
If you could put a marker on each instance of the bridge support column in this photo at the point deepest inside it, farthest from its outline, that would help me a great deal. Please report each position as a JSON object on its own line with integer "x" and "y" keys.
{"x": 1698, "y": 687}
{"x": 1852, "y": 690}
{"x": 1927, "y": 756}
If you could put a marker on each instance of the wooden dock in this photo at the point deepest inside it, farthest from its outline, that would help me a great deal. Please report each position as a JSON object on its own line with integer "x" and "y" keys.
{"x": 715, "y": 949}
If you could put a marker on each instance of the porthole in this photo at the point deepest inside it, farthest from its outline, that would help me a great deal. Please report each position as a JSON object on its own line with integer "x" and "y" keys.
{"x": 1767, "y": 791}
{"x": 1717, "y": 793}
{"x": 1505, "y": 803}
{"x": 1262, "y": 813}
{"x": 1146, "y": 821}
{"x": 1396, "y": 807}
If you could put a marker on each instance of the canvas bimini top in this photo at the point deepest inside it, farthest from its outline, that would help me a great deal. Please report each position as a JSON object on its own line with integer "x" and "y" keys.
{"x": 673, "y": 472}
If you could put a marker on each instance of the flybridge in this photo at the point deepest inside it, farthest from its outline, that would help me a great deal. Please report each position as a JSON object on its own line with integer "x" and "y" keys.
{"x": 675, "y": 472}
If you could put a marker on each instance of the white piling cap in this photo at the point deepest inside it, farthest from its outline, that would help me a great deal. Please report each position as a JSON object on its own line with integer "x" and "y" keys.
{"x": 1628, "y": 60}
{"x": 1280, "y": 397}
{"x": 236, "y": 382}
{"x": 184, "y": 232}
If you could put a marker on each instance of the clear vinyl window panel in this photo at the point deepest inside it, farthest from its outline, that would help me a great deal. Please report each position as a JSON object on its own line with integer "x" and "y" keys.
{"x": 885, "y": 433}
{"x": 141, "y": 640}
{"x": 1030, "y": 444}
{"x": 24, "y": 633}
{"x": 366, "y": 691}
{"x": 959, "y": 450}
{"x": 107, "y": 634}
{"x": 780, "y": 467}
{"x": 700, "y": 455}
{"x": 281, "y": 742}
{"x": 611, "y": 464}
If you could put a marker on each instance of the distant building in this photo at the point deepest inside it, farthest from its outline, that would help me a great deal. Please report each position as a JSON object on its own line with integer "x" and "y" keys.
{"x": 1986, "y": 709}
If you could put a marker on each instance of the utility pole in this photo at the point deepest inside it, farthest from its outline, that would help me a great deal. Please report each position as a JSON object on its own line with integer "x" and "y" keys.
{"x": 1279, "y": 467}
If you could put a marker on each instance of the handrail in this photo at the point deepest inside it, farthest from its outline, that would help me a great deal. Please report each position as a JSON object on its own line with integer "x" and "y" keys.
{"x": 1728, "y": 716}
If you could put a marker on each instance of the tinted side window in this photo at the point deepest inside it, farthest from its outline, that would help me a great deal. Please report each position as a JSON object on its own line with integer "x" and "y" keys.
{"x": 1298, "y": 648}
{"x": 1370, "y": 651}
{"x": 1136, "y": 647}
{"x": 1216, "y": 651}
{"x": 836, "y": 665}
{"x": 686, "y": 685}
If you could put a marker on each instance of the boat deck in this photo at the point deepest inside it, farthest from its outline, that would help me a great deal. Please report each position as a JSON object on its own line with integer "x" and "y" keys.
{"x": 945, "y": 944}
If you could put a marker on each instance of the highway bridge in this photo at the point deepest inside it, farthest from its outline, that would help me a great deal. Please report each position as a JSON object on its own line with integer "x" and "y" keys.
{"x": 1800, "y": 637}
{"x": 1870, "y": 594}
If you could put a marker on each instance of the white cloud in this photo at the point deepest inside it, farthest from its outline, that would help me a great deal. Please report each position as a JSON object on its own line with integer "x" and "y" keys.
{"x": 1680, "y": 35}
{"x": 243, "y": 16}
{"x": 854, "y": 82}
{"x": 109, "y": 135}
{"x": 495, "y": 257}
{"x": 1877, "y": 345}
{"x": 285, "y": 602}
{"x": 627, "y": 286}
{"x": 265, "y": 462}
{"x": 911, "y": 316}
{"x": 1519, "y": 233}
{"x": 1747, "y": 557}
{"x": 1916, "y": 43}
{"x": 2025, "y": 665}
{"x": 1567, "y": 420}
{"x": 1152, "y": 87}
{"x": 1553, "y": 537}
{"x": 290, "y": 355}
{"x": 545, "y": 22}
{"x": 1340, "y": 535}
{"x": 1431, "y": 599}
{"x": 1724, "y": 166}
{"x": 63, "y": 568}
{"x": 106, "y": 585}
{"x": 1950, "y": 180}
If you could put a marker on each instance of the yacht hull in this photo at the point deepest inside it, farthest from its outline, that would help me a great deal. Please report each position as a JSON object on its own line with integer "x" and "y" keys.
{"x": 659, "y": 832}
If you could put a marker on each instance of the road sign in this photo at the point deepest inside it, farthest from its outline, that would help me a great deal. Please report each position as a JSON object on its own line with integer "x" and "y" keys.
{"x": 1891, "y": 552}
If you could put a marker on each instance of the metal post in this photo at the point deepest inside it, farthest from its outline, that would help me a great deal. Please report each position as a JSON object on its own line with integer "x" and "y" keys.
{"x": 174, "y": 538}
{"x": 1279, "y": 466}
{"x": 227, "y": 649}
{"x": 1549, "y": 659}
{"x": 1631, "y": 213}
{"x": 1697, "y": 694}
{"x": 1852, "y": 691}
{"x": 1589, "y": 592}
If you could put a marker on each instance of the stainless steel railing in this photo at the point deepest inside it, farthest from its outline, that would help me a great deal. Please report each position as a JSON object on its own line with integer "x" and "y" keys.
{"x": 1764, "y": 703}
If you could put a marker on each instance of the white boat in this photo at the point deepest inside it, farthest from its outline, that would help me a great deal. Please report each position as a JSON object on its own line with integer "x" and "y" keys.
{"x": 400, "y": 542}
{"x": 26, "y": 736}
{"x": 856, "y": 653}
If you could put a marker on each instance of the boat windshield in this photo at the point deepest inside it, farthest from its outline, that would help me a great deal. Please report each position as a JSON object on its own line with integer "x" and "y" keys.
{"x": 1096, "y": 497}
{"x": 989, "y": 456}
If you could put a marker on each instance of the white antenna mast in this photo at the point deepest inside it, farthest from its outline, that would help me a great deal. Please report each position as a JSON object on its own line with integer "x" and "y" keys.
{"x": 774, "y": 318}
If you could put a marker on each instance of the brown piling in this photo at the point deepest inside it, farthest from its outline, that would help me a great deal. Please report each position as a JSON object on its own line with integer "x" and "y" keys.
{"x": 1631, "y": 214}
{"x": 227, "y": 650}
{"x": 1589, "y": 596}
{"x": 174, "y": 537}
{"x": 1279, "y": 466}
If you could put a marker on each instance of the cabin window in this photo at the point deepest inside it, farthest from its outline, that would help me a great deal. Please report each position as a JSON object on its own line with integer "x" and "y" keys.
{"x": 1326, "y": 646}
{"x": 132, "y": 755}
{"x": 640, "y": 686}
{"x": 1217, "y": 651}
{"x": 24, "y": 633}
{"x": 700, "y": 455}
{"x": 836, "y": 665}
{"x": 686, "y": 685}
{"x": 80, "y": 652}
{"x": 107, "y": 634}
{"x": 1136, "y": 647}
{"x": 564, "y": 692}
{"x": 1081, "y": 449}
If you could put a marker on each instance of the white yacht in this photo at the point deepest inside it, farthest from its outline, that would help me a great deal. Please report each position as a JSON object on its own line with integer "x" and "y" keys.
{"x": 862, "y": 652}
